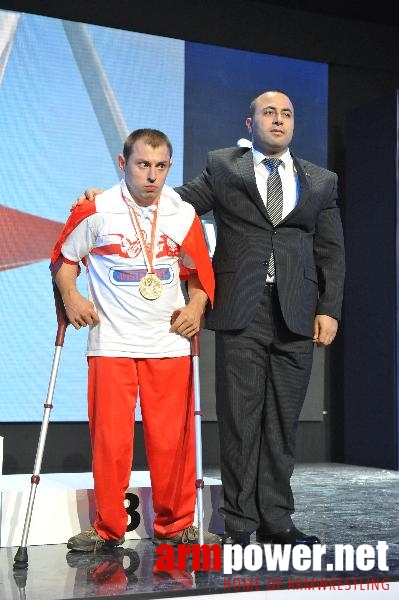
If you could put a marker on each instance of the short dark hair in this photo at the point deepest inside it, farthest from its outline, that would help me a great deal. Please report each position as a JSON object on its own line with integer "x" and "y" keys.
{"x": 252, "y": 105}
{"x": 153, "y": 137}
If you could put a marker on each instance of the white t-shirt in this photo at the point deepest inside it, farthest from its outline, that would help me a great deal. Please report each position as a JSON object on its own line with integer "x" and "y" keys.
{"x": 131, "y": 325}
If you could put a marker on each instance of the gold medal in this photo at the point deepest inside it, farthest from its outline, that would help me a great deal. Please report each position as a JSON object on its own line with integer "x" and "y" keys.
{"x": 150, "y": 286}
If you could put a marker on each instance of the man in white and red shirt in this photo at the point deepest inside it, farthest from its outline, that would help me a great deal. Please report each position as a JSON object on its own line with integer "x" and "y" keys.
{"x": 137, "y": 240}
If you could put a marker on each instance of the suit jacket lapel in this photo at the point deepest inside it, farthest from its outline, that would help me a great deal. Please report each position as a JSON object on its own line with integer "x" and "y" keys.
{"x": 245, "y": 165}
{"x": 305, "y": 187}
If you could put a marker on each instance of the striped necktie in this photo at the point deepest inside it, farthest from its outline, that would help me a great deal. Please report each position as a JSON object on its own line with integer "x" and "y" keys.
{"x": 274, "y": 200}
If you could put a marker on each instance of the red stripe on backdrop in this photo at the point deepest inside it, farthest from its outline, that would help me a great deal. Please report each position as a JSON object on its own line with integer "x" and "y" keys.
{"x": 25, "y": 238}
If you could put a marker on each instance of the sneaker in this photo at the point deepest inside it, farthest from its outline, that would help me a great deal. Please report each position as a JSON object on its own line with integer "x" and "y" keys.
{"x": 187, "y": 536}
{"x": 91, "y": 541}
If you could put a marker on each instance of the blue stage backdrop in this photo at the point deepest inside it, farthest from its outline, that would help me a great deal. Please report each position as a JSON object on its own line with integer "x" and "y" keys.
{"x": 69, "y": 95}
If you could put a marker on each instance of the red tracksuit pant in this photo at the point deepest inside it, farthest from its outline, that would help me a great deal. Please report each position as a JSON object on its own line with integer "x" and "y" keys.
{"x": 166, "y": 399}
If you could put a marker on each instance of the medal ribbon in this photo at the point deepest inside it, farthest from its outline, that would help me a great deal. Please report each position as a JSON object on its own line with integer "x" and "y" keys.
{"x": 148, "y": 257}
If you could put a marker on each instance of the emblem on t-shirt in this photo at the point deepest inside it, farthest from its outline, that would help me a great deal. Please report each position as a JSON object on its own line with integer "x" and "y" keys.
{"x": 126, "y": 275}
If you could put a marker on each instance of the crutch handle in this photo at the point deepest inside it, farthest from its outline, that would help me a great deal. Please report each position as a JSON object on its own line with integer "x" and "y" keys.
{"x": 62, "y": 318}
{"x": 195, "y": 344}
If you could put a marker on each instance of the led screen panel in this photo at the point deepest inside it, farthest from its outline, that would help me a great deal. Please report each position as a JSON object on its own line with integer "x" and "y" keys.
{"x": 69, "y": 95}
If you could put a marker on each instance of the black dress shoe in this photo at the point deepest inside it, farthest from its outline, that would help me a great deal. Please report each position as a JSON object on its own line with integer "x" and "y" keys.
{"x": 236, "y": 537}
{"x": 289, "y": 536}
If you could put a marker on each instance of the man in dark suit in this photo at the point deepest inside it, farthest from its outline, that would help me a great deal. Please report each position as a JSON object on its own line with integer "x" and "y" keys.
{"x": 279, "y": 267}
{"x": 279, "y": 288}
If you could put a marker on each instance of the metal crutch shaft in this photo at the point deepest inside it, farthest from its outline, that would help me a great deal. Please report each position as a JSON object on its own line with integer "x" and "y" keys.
{"x": 21, "y": 557}
{"x": 199, "y": 483}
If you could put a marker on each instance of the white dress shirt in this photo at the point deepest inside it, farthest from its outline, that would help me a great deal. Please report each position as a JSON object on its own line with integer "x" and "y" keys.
{"x": 289, "y": 179}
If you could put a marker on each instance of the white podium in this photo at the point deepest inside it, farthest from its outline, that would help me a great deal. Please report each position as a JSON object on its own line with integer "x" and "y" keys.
{"x": 64, "y": 505}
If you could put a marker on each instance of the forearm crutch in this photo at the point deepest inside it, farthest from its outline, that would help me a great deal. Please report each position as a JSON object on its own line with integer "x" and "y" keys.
{"x": 199, "y": 482}
{"x": 21, "y": 557}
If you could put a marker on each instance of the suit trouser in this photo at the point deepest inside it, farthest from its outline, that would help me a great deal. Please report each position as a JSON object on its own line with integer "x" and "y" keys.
{"x": 262, "y": 374}
{"x": 166, "y": 400}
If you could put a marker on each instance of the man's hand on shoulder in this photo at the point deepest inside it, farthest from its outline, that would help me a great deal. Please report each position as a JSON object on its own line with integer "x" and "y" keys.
{"x": 89, "y": 194}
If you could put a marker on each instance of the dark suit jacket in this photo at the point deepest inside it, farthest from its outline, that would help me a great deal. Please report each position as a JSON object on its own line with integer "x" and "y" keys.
{"x": 308, "y": 243}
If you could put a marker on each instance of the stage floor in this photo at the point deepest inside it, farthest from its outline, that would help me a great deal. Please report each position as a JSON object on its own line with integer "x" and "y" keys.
{"x": 341, "y": 504}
